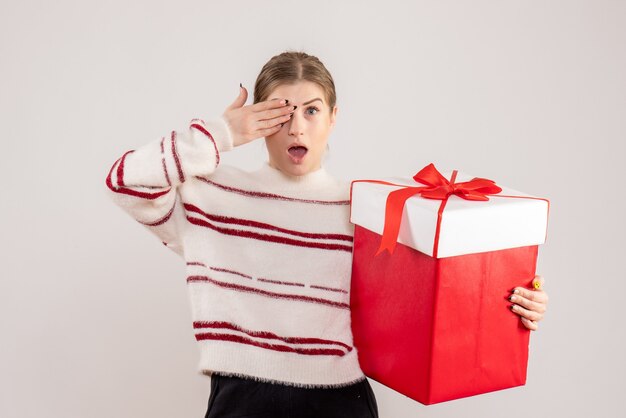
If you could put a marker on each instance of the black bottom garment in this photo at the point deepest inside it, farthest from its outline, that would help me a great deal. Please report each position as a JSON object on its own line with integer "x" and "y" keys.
{"x": 236, "y": 397}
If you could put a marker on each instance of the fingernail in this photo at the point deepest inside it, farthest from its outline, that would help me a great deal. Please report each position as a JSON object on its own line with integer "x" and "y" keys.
{"x": 286, "y": 101}
{"x": 295, "y": 107}
{"x": 512, "y": 298}
{"x": 281, "y": 125}
{"x": 515, "y": 291}
{"x": 240, "y": 86}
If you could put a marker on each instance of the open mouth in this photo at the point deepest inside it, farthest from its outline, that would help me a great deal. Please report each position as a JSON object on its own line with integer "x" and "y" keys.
{"x": 297, "y": 152}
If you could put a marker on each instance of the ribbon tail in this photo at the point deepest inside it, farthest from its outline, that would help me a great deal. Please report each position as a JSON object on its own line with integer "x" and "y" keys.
{"x": 390, "y": 246}
{"x": 393, "y": 216}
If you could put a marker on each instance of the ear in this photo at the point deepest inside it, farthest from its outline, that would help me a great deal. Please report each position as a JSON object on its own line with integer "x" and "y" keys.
{"x": 333, "y": 116}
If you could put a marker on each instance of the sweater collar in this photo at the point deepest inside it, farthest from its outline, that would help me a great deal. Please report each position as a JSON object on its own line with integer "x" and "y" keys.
{"x": 278, "y": 179}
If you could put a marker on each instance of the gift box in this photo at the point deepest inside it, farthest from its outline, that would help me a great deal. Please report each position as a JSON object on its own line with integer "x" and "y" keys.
{"x": 435, "y": 258}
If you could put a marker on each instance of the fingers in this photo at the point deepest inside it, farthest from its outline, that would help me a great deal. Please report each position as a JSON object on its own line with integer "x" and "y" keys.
{"x": 249, "y": 124}
{"x": 270, "y": 118}
{"x": 538, "y": 282}
{"x": 272, "y": 123}
{"x": 269, "y": 104}
{"x": 527, "y": 313}
{"x": 529, "y": 304}
{"x": 538, "y": 296}
{"x": 533, "y": 303}
{"x": 269, "y": 131}
{"x": 240, "y": 100}
{"x": 275, "y": 116}
{"x": 276, "y": 113}
{"x": 531, "y": 325}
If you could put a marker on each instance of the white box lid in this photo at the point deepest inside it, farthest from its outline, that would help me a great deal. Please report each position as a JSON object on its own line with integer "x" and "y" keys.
{"x": 467, "y": 226}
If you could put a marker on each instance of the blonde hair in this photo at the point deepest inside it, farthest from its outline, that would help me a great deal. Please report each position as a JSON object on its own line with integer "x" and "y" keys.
{"x": 290, "y": 67}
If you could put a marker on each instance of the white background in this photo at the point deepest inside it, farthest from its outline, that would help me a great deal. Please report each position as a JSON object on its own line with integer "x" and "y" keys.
{"x": 94, "y": 315}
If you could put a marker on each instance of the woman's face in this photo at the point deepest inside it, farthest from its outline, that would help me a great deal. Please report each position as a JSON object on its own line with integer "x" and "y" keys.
{"x": 309, "y": 127}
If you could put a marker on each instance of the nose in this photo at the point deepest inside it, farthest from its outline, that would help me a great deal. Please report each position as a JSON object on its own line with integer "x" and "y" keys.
{"x": 295, "y": 125}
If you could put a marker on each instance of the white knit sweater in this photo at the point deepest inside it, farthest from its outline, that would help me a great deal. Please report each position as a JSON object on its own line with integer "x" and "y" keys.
{"x": 268, "y": 255}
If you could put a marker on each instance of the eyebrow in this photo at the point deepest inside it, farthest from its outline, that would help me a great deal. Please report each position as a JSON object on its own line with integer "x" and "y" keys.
{"x": 312, "y": 100}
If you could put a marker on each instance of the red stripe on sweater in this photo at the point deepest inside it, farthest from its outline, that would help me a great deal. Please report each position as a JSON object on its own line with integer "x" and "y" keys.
{"x": 328, "y": 288}
{"x": 167, "y": 176}
{"x": 264, "y": 195}
{"x": 198, "y": 263}
{"x": 277, "y": 347}
{"x": 271, "y": 238}
{"x": 181, "y": 176}
{"x": 267, "y": 334}
{"x": 120, "y": 169}
{"x": 260, "y": 279}
{"x": 208, "y": 134}
{"x": 262, "y": 292}
{"x": 231, "y": 271}
{"x": 131, "y": 192}
{"x": 263, "y": 225}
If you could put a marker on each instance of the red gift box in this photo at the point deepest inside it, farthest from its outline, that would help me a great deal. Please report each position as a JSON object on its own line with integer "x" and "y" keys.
{"x": 430, "y": 317}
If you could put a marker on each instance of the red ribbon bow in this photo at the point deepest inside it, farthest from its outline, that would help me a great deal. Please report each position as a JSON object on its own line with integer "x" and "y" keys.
{"x": 437, "y": 187}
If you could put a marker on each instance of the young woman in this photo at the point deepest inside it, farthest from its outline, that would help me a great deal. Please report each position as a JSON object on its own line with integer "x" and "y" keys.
{"x": 268, "y": 252}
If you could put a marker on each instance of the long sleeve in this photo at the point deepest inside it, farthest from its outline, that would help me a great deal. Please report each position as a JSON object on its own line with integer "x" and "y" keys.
{"x": 144, "y": 181}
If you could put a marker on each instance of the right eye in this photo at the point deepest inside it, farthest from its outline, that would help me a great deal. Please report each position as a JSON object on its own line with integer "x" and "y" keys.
{"x": 314, "y": 108}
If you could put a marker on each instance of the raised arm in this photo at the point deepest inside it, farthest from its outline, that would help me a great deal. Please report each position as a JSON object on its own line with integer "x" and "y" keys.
{"x": 143, "y": 181}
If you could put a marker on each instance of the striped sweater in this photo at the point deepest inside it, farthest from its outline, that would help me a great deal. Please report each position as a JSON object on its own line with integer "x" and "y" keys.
{"x": 268, "y": 255}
